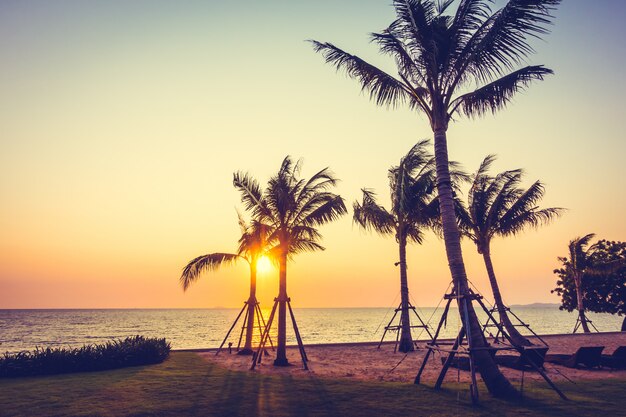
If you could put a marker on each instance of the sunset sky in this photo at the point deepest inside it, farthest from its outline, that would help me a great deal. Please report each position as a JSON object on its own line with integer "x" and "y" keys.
{"x": 121, "y": 124}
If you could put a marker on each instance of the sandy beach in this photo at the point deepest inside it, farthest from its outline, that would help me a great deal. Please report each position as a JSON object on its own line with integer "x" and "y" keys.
{"x": 363, "y": 361}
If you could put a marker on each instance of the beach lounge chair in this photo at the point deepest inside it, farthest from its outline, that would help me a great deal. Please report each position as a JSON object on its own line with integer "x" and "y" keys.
{"x": 537, "y": 355}
{"x": 617, "y": 360}
{"x": 590, "y": 357}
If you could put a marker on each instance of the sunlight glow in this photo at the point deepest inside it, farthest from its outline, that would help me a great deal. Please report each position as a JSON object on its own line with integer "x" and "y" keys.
{"x": 263, "y": 264}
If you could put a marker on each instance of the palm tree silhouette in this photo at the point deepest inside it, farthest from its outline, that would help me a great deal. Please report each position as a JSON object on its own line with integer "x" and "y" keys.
{"x": 451, "y": 65}
{"x": 578, "y": 265}
{"x": 292, "y": 208}
{"x": 497, "y": 206}
{"x": 251, "y": 248}
{"x": 414, "y": 206}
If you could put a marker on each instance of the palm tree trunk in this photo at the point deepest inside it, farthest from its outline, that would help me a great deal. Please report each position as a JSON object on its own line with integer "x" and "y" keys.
{"x": 516, "y": 337}
{"x": 247, "y": 348}
{"x": 579, "y": 301}
{"x": 406, "y": 340}
{"x": 496, "y": 382}
{"x": 281, "y": 348}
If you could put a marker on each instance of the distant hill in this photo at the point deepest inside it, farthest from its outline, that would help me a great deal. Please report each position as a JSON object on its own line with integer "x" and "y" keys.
{"x": 537, "y": 305}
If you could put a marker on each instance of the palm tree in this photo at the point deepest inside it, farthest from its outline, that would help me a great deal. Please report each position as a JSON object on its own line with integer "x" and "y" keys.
{"x": 450, "y": 65}
{"x": 292, "y": 208}
{"x": 414, "y": 206}
{"x": 251, "y": 248}
{"x": 497, "y": 206}
{"x": 577, "y": 266}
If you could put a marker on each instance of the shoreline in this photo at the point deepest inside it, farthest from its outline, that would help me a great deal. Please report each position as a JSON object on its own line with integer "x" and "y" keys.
{"x": 374, "y": 343}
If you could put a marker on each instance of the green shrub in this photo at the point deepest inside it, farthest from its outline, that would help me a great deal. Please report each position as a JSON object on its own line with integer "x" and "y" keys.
{"x": 132, "y": 351}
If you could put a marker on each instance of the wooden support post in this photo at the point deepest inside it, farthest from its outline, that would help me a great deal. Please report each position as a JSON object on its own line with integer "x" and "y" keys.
{"x": 450, "y": 358}
{"x": 245, "y": 304}
{"x": 257, "y": 356}
{"x": 259, "y": 317}
{"x": 387, "y": 328}
{"x": 433, "y": 342}
{"x": 422, "y": 324}
{"x": 244, "y": 325}
{"x": 305, "y": 359}
{"x": 474, "y": 386}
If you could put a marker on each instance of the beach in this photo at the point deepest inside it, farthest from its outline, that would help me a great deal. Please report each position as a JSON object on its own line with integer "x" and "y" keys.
{"x": 363, "y": 361}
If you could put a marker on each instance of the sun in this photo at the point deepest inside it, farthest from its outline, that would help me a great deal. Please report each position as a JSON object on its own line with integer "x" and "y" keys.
{"x": 263, "y": 264}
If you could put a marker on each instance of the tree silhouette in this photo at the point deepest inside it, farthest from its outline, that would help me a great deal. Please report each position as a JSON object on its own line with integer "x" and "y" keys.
{"x": 251, "y": 248}
{"x": 291, "y": 208}
{"x": 603, "y": 283}
{"x": 498, "y": 206}
{"x": 449, "y": 65}
{"x": 414, "y": 206}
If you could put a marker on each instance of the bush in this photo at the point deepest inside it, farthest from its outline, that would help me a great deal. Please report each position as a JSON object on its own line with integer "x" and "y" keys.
{"x": 132, "y": 351}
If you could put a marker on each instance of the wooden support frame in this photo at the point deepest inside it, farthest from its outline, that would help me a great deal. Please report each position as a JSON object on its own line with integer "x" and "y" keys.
{"x": 457, "y": 347}
{"x": 579, "y": 324}
{"x": 257, "y": 357}
{"x": 398, "y": 327}
{"x": 259, "y": 315}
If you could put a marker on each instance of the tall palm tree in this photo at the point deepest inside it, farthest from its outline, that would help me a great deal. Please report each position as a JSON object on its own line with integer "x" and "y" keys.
{"x": 450, "y": 65}
{"x": 578, "y": 264}
{"x": 292, "y": 208}
{"x": 414, "y": 206}
{"x": 498, "y": 206}
{"x": 251, "y": 248}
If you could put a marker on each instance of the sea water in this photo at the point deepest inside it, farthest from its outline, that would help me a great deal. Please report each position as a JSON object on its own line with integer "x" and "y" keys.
{"x": 206, "y": 328}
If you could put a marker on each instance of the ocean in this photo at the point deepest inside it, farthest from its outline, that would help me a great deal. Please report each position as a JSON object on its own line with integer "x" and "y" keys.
{"x": 206, "y": 328}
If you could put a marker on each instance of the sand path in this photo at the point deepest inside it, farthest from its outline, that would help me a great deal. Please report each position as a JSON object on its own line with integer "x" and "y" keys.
{"x": 363, "y": 361}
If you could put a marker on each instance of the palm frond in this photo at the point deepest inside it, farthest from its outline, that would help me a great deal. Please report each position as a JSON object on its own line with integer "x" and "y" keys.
{"x": 296, "y": 206}
{"x": 254, "y": 239}
{"x": 497, "y": 94}
{"x": 311, "y": 192}
{"x": 414, "y": 233}
{"x": 303, "y": 239}
{"x": 485, "y": 165}
{"x": 502, "y": 41}
{"x": 331, "y": 209}
{"x": 251, "y": 194}
{"x": 382, "y": 87}
{"x": 498, "y": 206}
{"x": 371, "y": 216}
{"x": 502, "y": 193}
{"x": 524, "y": 212}
{"x": 469, "y": 17}
{"x": 577, "y": 252}
{"x": 442, "y": 6}
{"x": 389, "y": 44}
{"x": 210, "y": 262}
{"x": 464, "y": 219}
{"x": 304, "y": 245}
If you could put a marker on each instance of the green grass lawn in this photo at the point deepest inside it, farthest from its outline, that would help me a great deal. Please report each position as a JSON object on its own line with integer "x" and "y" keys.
{"x": 185, "y": 385}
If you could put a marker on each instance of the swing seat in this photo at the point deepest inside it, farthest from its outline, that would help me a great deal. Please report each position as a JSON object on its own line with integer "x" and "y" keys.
{"x": 521, "y": 362}
{"x": 588, "y": 356}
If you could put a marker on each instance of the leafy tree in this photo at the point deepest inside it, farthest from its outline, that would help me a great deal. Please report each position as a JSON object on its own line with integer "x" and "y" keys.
{"x": 498, "y": 206}
{"x": 251, "y": 248}
{"x": 452, "y": 65}
{"x": 602, "y": 284}
{"x": 414, "y": 206}
{"x": 291, "y": 208}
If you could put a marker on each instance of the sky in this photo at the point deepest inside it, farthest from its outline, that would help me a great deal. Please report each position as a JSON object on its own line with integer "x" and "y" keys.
{"x": 121, "y": 124}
